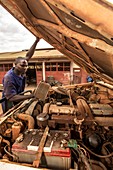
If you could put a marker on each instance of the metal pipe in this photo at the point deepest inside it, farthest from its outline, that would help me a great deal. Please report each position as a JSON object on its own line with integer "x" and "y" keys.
{"x": 46, "y": 108}
{"x": 27, "y": 118}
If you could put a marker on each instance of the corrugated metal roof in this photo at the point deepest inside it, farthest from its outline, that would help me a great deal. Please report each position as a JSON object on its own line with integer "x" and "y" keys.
{"x": 41, "y": 53}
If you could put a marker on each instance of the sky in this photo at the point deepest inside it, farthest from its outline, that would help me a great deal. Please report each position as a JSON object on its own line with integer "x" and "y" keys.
{"x": 14, "y": 36}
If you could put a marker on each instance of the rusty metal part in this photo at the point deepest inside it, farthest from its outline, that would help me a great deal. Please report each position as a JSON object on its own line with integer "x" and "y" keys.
{"x": 103, "y": 99}
{"x": 78, "y": 121}
{"x": 40, "y": 149}
{"x": 42, "y": 120}
{"x": 94, "y": 98}
{"x": 13, "y": 110}
{"x": 74, "y": 95}
{"x": 73, "y": 86}
{"x": 76, "y": 29}
{"x": 60, "y": 90}
{"x": 64, "y": 109}
{"x": 63, "y": 119}
{"x": 84, "y": 13}
{"x": 70, "y": 98}
{"x": 46, "y": 108}
{"x": 27, "y": 102}
{"x": 3, "y": 128}
{"x": 2, "y": 140}
{"x": 101, "y": 109}
{"x": 7, "y": 143}
{"x": 8, "y": 132}
{"x": 27, "y": 118}
{"x": 104, "y": 121}
{"x": 11, "y": 6}
{"x": 16, "y": 128}
{"x": 37, "y": 110}
{"x": 41, "y": 91}
{"x": 84, "y": 109}
{"x": 30, "y": 109}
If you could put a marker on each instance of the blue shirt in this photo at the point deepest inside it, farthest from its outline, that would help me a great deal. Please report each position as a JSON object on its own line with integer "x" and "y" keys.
{"x": 13, "y": 84}
{"x": 89, "y": 79}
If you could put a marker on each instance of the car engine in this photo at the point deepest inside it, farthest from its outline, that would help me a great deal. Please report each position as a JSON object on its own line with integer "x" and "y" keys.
{"x": 80, "y": 128}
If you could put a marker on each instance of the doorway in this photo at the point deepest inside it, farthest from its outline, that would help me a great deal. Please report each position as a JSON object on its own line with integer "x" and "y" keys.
{"x": 31, "y": 74}
{"x": 77, "y": 75}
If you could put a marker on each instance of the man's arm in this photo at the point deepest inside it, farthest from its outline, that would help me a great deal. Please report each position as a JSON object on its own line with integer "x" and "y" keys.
{"x": 32, "y": 49}
{"x": 18, "y": 97}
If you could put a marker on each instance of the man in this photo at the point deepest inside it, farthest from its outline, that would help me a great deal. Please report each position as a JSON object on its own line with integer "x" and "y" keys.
{"x": 14, "y": 80}
{"x": 89, "y": 79}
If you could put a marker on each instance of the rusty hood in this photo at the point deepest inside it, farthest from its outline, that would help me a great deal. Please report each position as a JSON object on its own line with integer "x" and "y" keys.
{"x": 82, "y": 30}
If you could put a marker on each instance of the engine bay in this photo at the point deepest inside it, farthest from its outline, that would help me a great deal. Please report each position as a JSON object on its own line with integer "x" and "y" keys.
{"x": 70, "y": 126}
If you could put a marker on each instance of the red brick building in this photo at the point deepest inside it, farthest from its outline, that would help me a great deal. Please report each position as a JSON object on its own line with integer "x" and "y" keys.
{"x": 46, "y": 64}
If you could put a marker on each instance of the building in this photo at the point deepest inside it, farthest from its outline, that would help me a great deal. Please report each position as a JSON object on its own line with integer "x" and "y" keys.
{"x": 45, "y": 65}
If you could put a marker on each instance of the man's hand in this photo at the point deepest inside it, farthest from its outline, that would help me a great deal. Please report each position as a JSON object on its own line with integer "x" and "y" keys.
{"x": 37, "y": 39}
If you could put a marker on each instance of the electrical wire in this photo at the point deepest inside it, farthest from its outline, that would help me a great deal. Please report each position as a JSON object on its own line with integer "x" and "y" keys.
{"x": 99, "y": 156}
{"x": 12, "y": 155}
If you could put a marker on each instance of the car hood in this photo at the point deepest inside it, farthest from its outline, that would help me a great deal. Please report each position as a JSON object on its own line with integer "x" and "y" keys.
{"x": 81, "y": 30}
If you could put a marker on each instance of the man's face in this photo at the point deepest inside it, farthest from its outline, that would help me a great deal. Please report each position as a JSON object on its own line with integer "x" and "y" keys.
{"x": 22, "y": 66}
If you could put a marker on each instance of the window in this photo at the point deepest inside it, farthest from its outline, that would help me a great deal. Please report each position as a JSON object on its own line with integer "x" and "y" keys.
{"x": 66, "y": 66}
{"x": 60, "y": 66}
{"x": 39, "y": 66}
{"x": 47, "y": 66}
{"x": 50, "y": 66}
{"x": 7, "y": 67}
{"x": 53, "y": 66}
{"x": 31, "y": 66}
{"x": 1, "y": 67}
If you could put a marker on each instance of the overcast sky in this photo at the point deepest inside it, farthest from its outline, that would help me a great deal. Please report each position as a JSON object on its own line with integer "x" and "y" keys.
{"x": 14, "y": 36}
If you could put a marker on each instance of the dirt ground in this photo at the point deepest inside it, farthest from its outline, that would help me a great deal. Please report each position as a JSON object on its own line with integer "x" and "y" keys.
{"x": 30, "y": 87}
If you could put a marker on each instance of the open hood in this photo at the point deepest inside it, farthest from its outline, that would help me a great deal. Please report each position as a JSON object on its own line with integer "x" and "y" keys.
{"x": 81, "y": 29}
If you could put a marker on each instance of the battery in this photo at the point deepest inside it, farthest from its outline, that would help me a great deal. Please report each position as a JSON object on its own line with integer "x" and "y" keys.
{"x": 53, "y": 157}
